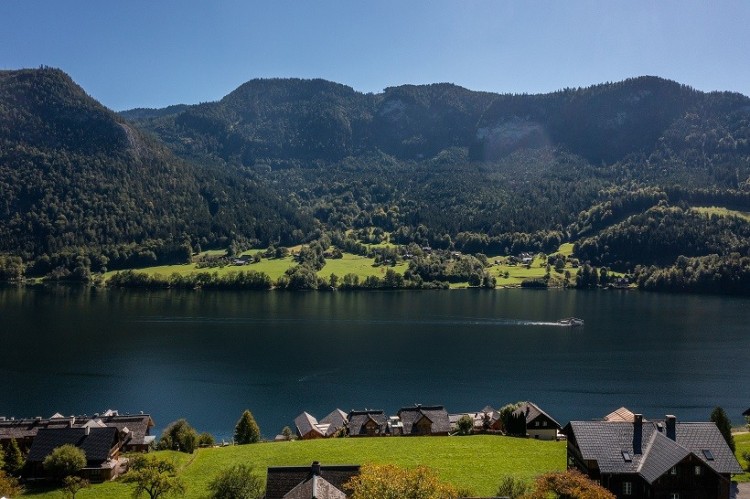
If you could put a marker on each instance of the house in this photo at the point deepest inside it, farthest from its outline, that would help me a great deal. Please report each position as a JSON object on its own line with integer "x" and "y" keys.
{"x": 309, "y": 482}
{"x": 659, "y": 459}
{"x": 424, "y": 420}
{"x": 623, "y": 414}
{"x": 538, "y": 424}
{"x": 308, "y": 427}
{"x": 138, "y": 427}
{"x": 367, "y": 423}
{"x": 101, "y": 445}
{"x": 486, "y": 420}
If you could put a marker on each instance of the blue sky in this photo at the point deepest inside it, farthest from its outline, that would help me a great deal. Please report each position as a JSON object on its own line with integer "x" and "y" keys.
{"x": 138, "y": 53}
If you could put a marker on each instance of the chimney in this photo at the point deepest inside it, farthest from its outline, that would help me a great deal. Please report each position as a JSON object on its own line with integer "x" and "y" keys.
{"x": 637, "y": 433}
{"x": 671, "y": 426}
{"x": 316, "y": 468}
{"x": 87, "y": 430}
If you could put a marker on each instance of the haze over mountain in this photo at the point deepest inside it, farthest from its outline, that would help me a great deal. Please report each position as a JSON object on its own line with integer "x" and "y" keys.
{"x": 284, "y": 160}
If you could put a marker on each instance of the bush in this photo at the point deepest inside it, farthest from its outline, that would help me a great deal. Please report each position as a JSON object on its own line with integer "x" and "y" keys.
{"x": 206, "y": 440}
{"x": 9, "y": 486}
{"x": 73, "y": 484}
{"x": 465, "y": 425}
{"x": 179, "y": 436}
{"x": 237, "y": 482}
{"x": 512, "y": 487}
{"x": 387, "y": 480}
{"x": 64, "y": 461}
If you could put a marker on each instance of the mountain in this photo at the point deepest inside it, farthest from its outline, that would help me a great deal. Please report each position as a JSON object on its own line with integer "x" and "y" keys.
{"x": 287, "y": 161}
{"x": 81, "y": 185}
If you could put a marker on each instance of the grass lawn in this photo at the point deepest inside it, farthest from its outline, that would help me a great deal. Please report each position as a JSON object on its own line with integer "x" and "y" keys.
{"x": 742, "y": 444}
{"x": 476, "y": 463}
{"x": 360, "y": 265}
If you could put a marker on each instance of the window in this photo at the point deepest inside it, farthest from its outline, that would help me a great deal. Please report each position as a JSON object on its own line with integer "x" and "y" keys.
{"x": 674, "y": 495}
{"x": 627, "y": 457}
{"x": 673, "y": 471}
{"x": 708, "y": 454}
{"x": 544, "y": 423}
{"x": 697, "y": 470}
{"x": 627, "y": 488}
{"x": 536, "y": 423}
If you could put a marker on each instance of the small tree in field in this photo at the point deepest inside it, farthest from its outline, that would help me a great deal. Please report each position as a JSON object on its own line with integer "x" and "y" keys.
{"x": 246, "y": 431}
{"x": 465, "y": 425}
{"x": 205, "y": 439}
{"x": 287, "y": 432}
{"x": 153, "y": 477}
{"x": 179, "y": 436}
{"x": 73, "y": 484}
{"x": 722, "y": 421}
{"x": 14, "y": 459}
{"x": 64, "y": 461}
{"x": 237, "y": 482}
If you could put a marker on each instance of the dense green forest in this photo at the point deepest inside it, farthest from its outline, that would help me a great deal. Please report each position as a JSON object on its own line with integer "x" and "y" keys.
{"x": 616, "y": 168}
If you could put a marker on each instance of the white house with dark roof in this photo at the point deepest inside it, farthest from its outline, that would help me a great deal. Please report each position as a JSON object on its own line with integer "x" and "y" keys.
{"x": 539, "y": 424}
{"x": 653, "y": 459}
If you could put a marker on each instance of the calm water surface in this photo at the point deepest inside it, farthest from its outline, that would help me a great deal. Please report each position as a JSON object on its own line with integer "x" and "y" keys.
{"x": 207, "y": 356}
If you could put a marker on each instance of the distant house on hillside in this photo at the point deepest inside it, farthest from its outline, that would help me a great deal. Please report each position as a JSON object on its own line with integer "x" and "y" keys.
{"x": 623, "y": 414}
{"x": 424, "y": 420}
{"x": 644, "y": 459}
{"x": 538, "y": 424}
{"x": 486, "y": 420}
{"x": 308, "y": 427}
{"x": 101, "y": 445}
{"x": 309, "y": 482}
{"x": 367, "y": 423}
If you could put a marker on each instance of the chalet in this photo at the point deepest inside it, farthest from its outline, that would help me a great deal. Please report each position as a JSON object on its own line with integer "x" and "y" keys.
{"x": 424, "y": 420}
{"x": 659, "y": 459}
{"x": 538, "y": 424}
{"x": 137, "y": 426}
{"x": 309, "y": 482}
{"x": 367, "y": 423}
{"x": 308, "y": 427}
{"x": 486, "y": 420}
{"x": 102, "y": 446}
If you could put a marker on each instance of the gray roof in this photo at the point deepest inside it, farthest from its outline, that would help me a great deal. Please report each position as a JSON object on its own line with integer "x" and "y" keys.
{"x": 97, "y": 444}
{"x": 281, "y": 480}
{"x": 436, "y": 414}
{"x": 336, "y": 420}
{"x": 358, "y": 419}
{"x": 651, "y": 451}
{"x": 315, "y": 487}
{"x": 306, "y": 423}
{"x": 532, "y": 412}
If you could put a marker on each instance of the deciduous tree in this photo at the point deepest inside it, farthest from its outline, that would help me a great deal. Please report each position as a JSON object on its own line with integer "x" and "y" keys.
{"x": 64, "y": 461}
{"x": 154, "y": 477}
{"x": 387, "y": 481}
{"x": 237, "y": 482}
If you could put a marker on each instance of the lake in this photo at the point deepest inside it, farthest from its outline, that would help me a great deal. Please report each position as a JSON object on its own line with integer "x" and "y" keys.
{"x": 207, "y": 356}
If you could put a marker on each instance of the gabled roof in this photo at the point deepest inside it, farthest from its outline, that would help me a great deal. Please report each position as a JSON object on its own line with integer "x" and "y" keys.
{"x": 315, "y": 487}
{"x": 306, "y": 423}
{"x": 283, "y": 480}
{"x": 623, "y": 414}
{"x": 494, "y": 415}
{"x": 358, "y": 420}
{"x": 436, "y": 414}
{"x": 532, "y": 411}
{"x": 335, "y": 421}
{"x": 645, "y": 449}
{"x": 97, "y": 444}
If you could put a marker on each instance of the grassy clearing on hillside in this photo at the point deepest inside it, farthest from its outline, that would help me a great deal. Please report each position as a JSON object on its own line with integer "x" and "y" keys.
{"x": 476, "y": 463}
{"x": 742, "y": 444}
{"x": 355, "y": 264}
{"x": 722, "y": 212}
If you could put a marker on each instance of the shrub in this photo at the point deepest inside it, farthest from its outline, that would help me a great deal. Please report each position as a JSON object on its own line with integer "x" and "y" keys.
{"x": 512, "y": 487}
{"x": 179, "y": 436}
{"x": 465, "y": 425}
{"x": 237, "y": 482}
{"x": 64, "y": 461}
{"x": 206, "y": 440}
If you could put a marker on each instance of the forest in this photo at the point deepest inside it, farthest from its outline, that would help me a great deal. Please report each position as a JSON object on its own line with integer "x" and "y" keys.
{"x": 624, "y": 170}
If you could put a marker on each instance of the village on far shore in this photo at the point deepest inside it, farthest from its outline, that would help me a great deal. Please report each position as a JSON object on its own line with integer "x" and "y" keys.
{"x": 625, "y": 453}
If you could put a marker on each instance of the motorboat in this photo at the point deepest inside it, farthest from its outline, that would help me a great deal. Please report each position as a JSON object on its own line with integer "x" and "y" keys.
{"x": 571, "y": 322}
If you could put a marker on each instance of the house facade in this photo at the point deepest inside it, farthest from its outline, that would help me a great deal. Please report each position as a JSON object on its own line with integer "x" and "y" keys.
{"x": 538, "y": 424}
{"x": 367, "y": 423}
{"x": 653, "y": 459}
{"x": 424, "y": 420}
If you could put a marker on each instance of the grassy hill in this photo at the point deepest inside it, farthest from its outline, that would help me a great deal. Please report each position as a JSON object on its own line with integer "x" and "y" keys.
{"x": 476, "y": 463}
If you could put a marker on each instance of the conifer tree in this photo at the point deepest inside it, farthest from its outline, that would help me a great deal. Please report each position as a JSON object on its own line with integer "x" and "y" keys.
{"x": 246, "y": 431}
{"x": 719, "y": 416}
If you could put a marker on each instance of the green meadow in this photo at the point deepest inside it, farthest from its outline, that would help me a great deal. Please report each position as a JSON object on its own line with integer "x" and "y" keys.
{"x": 475, "y": 463}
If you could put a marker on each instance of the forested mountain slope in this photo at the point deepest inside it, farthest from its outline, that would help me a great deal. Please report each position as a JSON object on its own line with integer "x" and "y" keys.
{"x": 81, "y": 188}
